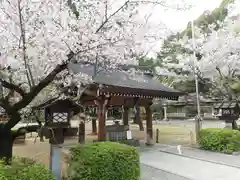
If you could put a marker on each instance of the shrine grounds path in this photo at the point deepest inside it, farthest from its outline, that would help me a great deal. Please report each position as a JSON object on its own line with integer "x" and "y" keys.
{"x": 193, "y": 164}
{"x": 161, "y": 162}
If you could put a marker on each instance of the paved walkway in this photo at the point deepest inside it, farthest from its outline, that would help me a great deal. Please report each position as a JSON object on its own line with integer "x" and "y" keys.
{"x": 219, "y": 158}
{"x": 200, "y": 165}
{"x": 189, "y": 168}
{"x": 151, "y": 173}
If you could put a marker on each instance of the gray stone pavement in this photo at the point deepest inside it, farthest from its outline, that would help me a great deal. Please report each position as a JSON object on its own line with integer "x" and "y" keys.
{"x": 150, "y": 173}
{"x": 190, "y": 123}
{"x": 219, "y": 158}
{"x": 189, "y": 168}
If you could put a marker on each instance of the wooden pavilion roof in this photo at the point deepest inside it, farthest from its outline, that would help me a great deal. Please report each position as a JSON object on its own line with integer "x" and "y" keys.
{"x": 124, "y": 83}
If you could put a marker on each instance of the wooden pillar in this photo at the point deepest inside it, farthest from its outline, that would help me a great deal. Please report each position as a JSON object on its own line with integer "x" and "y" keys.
{"x": 81, "y": 132}
{"x": 94, "y": 126}
{"x": 137, "y": 117}
{"x": 102, "y": 107}
{"x": 125, "y": 115}
{"x": 105, "y": 110}
{"x": 165, "y": 113}
{"x": 149, "y": 124}
{"x": 94, "y": 119}
{"x": 101, "y": 122}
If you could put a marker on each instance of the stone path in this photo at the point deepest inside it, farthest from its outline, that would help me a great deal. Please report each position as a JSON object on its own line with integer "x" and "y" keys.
{"x": 192, "y": 169}
{"x": 150, "y": 173}
{"x": 219, "y": 158}
{"x": 158, "y": 165}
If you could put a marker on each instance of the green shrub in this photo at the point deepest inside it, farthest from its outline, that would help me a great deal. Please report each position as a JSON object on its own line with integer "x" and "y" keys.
{"x": 221, "y": 140}
{"x": 24, "y": 168}
{"x": 104, "y": 161}
{"x": 36, "y": 172}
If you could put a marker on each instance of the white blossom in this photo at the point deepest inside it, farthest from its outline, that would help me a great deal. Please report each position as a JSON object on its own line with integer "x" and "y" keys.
{"x": 219, "y": 48}
{"x": 37, "y": 36}
{"x": 51, "y": 30}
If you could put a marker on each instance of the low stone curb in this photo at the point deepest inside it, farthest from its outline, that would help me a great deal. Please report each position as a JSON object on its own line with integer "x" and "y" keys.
{"x": 236, "y": 153}
{"x": 200, "y": 159}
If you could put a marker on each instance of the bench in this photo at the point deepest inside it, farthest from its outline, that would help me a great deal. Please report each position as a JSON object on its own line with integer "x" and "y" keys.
{"x": 20, "y": 139}
{"x": 176, "y": 115}
{"x": 208, "y": 116}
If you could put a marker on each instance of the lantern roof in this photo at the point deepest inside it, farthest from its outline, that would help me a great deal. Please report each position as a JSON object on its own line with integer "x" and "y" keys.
{"x": 61, "y": 101}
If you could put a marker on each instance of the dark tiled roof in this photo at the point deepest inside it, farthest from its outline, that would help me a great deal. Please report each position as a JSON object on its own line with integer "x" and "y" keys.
{"x": 123, "y": 79}
{"x": 226, "y": 104}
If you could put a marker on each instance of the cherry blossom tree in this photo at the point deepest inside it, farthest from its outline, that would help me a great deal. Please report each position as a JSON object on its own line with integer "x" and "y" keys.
{"x": 40, "y": 38}
{"x": 220, "y": 54}
{"x": 217, "y": 55}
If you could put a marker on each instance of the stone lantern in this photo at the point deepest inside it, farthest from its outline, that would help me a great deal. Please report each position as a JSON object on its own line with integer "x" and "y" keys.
{"x": 58, "y": 113}
{"x": 227, "y": 110}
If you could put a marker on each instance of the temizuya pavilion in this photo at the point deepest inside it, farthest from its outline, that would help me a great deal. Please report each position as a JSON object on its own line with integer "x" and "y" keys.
{"x": 121, "y": 88}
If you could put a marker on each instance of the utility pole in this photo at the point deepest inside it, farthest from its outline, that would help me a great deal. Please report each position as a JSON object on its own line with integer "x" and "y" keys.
{"x": 198, "y": 116}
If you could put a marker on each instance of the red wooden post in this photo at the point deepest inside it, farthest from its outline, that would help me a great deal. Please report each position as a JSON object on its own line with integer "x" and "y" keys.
{"x": 125, "y": 115}
{"x": 149, "y": 124}
{"x": 81, "y": 133}
{"x": 102, "y": 107}
{"x": 101, "y": 119}
{"x": 94, "y": 126}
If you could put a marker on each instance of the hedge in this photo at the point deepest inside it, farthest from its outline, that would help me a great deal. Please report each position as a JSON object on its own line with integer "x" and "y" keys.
{"x": 25, "y": 168}
{"x": 220, "y": 140}
{"x": 105, "y": 161}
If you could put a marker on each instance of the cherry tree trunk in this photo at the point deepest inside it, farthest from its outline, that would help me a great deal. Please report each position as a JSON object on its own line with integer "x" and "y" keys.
{"x": 6, "y": 143}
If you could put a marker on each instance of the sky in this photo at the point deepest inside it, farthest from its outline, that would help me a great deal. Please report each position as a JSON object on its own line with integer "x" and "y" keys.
{"x": 177, "y": 20}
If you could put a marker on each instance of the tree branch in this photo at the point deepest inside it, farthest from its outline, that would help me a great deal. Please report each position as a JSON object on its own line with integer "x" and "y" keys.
{"x": 225, "y": 84}
{"x": 159, "y": 3}
{"x": 219, "y": 72}
{"x": 23, "y": 39}
{"x": 111, "y": 15}
{"x": 36, "y": 89}
{"x": 106, "y": 9}
{"x": 33, "y": 93}
{"x": 5, "y": 105}
{"x": 96, "y": 46}
{"x": 233, "y": 73}
{"x": 12, "y": 87}
{"x": 212, "y": 83}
